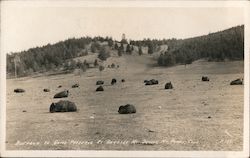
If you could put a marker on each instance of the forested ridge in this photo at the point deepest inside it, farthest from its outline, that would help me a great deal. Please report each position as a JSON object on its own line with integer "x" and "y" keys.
{"x": 219, "y": 46}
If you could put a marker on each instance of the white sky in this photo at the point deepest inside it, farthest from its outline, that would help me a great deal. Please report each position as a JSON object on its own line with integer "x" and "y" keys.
{"x": 23, "y": 27}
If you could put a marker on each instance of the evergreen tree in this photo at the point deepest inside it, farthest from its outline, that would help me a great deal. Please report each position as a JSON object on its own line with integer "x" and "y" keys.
{"x": 140, "y": 50}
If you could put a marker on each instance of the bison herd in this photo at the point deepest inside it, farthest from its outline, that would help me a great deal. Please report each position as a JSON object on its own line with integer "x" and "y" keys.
{"x": 68, "y": 106}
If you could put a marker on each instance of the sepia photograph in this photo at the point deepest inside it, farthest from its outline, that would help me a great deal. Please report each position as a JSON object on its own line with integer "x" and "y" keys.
{"x": 124, "y": 78}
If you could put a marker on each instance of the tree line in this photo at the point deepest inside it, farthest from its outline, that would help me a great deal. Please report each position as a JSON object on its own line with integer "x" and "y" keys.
{"x": 218, "y": 46}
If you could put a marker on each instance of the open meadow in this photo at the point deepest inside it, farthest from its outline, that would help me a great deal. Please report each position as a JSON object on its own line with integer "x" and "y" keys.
{"x": 194, "y": 115}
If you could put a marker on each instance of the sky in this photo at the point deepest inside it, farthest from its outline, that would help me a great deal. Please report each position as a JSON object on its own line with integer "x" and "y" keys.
{"x": 23, "y": 27}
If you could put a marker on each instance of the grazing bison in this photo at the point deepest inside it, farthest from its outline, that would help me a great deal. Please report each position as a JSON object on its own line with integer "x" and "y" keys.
{"x": 62, "y": 94}
{"x": 205, "y": 78}
{"x": 113, "y": 81}
{"x": 112, "y": 65}
{"x": 63, "y": 106}
{"x": 154, "y": 81}
{"x": 148, "y": 83}
{"x": 100, "y": 88}
{"x": 75, "y": 85}
{"x": 237, "y": 82}
{"x": 19, "y": 90}
{"x": 99, "y": 82}
{"x": 123, "y": 80}
{"x": 151, "y": 82}
{"x": 46, "y": 90}
{"x": 127, "y": 109}
{"x": 168, "y": 85}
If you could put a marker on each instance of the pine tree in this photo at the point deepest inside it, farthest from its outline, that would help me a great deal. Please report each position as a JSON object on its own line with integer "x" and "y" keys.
{"x": 140, "y": 50}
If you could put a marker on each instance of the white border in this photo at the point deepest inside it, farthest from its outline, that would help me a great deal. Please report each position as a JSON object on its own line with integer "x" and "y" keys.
{"x": 110, "y": 153}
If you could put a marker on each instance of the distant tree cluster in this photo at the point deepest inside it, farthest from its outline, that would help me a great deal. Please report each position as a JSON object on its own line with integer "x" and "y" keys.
{"x": 53, "y": 57}
{"x": 227, "y": 44}
{"x": 104, "y": 53}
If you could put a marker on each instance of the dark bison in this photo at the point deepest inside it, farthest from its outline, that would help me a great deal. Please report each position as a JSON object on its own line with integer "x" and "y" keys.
{"x": 205, "y": 78}
{"x": 237, "y": 82}
{"x": 168, "y": 85}
{"x": 112, "y": 65}
{"x": 62, "y": 94}
{"x": 75, "y": 85}
{"x": 154, "y": 81}
{"x": 151, "y": 82}
{"x": 148, "y": 83}
{"x": 113, "y": 81}
{"x": 123, "y": 80}
{"x": 63, "y": 106}
{"x": 59, "y": 86}
{"x": 46, "y": 90}
{"x": 19, "y": 90}
{"x": 100, "y": 88}
{"x": 127, "y": 109}
{"x": 99, "y": 82}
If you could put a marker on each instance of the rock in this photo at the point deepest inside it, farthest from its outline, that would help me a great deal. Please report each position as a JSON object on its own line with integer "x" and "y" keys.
{"x": 205, "y": 78}
{"x": 46, "y": 90}
{"x": 63, "y": 106}
{"x": 59, "y": 86}
{"x": 99, "y": 82}
{"x": 62, "y": 94}
{"x": 123, "y": 80}
{"x": 127, "y": 109}
{"x": 75, "y": 85}
{"x": 19, "y": 90}
{"x": 100, "y": 88}
{"x": 237, "y": 82}
{"x": 168, "y": 85}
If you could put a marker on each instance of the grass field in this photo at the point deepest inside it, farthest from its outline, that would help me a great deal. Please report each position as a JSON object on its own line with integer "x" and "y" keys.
{"x": 194, "y": 115}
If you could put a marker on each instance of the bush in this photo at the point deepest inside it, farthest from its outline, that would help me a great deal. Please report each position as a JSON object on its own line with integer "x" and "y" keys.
{"x": 103, "y": 54}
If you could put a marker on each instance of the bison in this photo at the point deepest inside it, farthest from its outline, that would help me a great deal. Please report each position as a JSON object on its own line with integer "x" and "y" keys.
{"x": 205, "y": 78}
{"x": 123, "y": 80}
{"x": 237, "y": 82}
{"x": 148, "y": 83}
{"x": 168, "y": 85}
{"x": 75, "y": 85}
{"x": 99, "y": 82}
{"x": 100, "y": 88}
{"x": 46, "y": 90}
{"x": 59, "y": 86}
{"x": 151, "y": 82}
{"x": 63, "y": 106}
{"x": 127, "y": 109}
{"x": 113, "y": 81}
{"x": 19, "y": 90}
{"x": 154, "y": 81}
{"x": 62, "y": 94}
